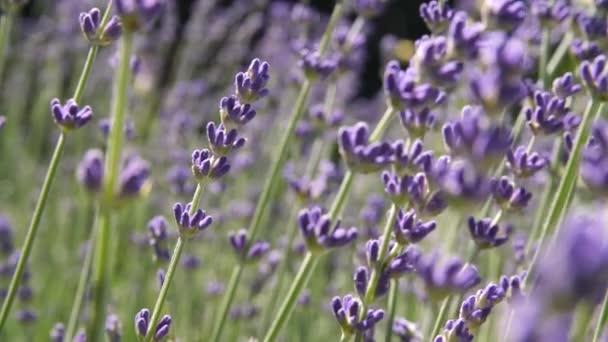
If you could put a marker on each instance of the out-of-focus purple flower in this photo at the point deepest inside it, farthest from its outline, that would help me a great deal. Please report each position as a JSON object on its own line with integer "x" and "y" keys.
{"x": 317, "y": 230}
{"x": 565, "y": 86}
{"x": 105, "y": 125}
{"x": 359, "y": 154}
{"x": 162, "y": 328}
{"x": 593, "y": 27}
{"x": 487, "y": 234}
{"x": 178, "y": 177}
{"x": 445, "y": 279}
{"x": 417, "y": 122}
{"x": 244, "y": 312}
{"x": 90, "y": 22}
{"x": 70, "y": 116}
{"x": 550, "y": 115}
{"x": 455, "y": 330}
{"x": 475, "y": 138}
{"x": 322, "y": 120}
{"x": 369, "y": 8}
{"x": 90, "y": 170}
{"x": 347, "y": 311}
{"x": 190, "y": 224}
{"x": 373, "y": 210}
{"x": 134, "y": 177}
{"x": 305, "y": 188}
{"x": 113, "y": 328}
{"x": 57, "y": 333}
{"x": 403, "y": 263}
{"x": 595, "y": 77}
{"x": 585, "y": 50}
{"x": 461, "y": 184}
{"x": 6, "y": 236}
{"x": 157, "y": 238}
{"x": 214, "y": 288}
{"x": 463, "y": 39}
{"x": 525, "y": 164}
{"x": 550, "y": 14}
{"x": 406, "y": 331}
{"x": 248, "y": 252}
{"x": 437, "y": 16}
{"x": 508, "y": 196}
{"x": 317, "y": 66}
{"x": 233, "y": 113}
{"x": 408, "y": 229}
{"x": 361, "y": 280}
{"x": 137, "y": 14}
{"x": 250, "y": 85}
{"x": 409, "y": 158}
{"x": 26, "y": 316}
{"x": 504, "y": 14}
{"x": 402, "y": 91}
{"x": 142, "y": 324}
{"x": 430, "y": 65}
{"x": 512, "y": 287}
{"x": 223, "y": 141}
{"x": 191, "y": 262}
{"x": 206, "y": 165}
{"x": 594, "y": 164}
{"x": 476, "y": 308}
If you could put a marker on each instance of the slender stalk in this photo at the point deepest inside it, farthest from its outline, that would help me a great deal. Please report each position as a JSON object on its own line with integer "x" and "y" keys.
{"x": 306, "y": 269}
{"x": 6, "y": 25}
{"x": 392, "y": 308}
{"x": 88, "y": 64}
{"x": 26, "y": 249}
{"x": 440, "y": 317}
{"x": 559, "y": 53}
{"x": 543, "y": 75}
{"x": 81, "y": 288}
{"x": 601, "y": 320}
{"x": 582, "y": 318}
{"x": 102, "y": 275}
{"x": 273, "y": 173}
{"x": 175, "y": 257}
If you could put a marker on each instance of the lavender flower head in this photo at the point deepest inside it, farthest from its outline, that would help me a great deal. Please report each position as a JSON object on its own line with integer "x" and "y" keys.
{"x": 595, "y": 78}
{"x": 417, "y": 122}
{"x": 142, "y": 324}
{"x": 504, "y": 14}
{"x": 360, "y": 154}
{"x": 347, "y": 311}
{"x": 406, "y": 331}
{"x": 70, "y": 116}
{"x": 233, "y": 113}
{"x": 408, "y": 229}
{"x": 250, "y": 86}
{"x": 6, "y": 236}
{"x": 90, "y": 170}
{"x": 455, "y": 330}
{"x": 134, "y": 177}
{"x": 316, "y": 228}
{"x": 508, "y": 196}
{"x": 137, "y": 14}
{"x": 565, "y": 86}
{"x": 206, "y": 165}
{"x": 90, "y": 25}
{"x": 594, "y": 164}
{"x": 463, "y": 39}
{"x": 317, "y": 66}
{"x": 476, "y": 308}
{"x": 57, "y": 334}
{"x": 436, "y": 15}
{"x": 223, "y": 141}
{"x": 430, "y": 63}
{"x": 488, "y": 234}
{"x": 369, "y": 8}
{"x": 246, "y": 251}
{"x": 550, "y": 115}
{"x": 402, "y": 91}
{"x": 525, "y": 164}
{"x": 113, "y": 328}
{"x": 158, "y": 236}
{"x": 441, "y": 280}
{"x": 190, "y": 222}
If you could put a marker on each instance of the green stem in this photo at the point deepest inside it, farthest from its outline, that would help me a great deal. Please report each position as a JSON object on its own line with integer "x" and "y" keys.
{"x": 88, "y": 64}
{"x": 175, "y": 257}
{"x": 81, "y": 288}
{"x": 559, "y": 53}
{"x": 6, "y": 25}
{"x": 601, "y": 320}
{"x": 392, "y": 308}
{"x": 568, "y": 180}
{"x": 226, "y": 301}
{"x": 102, "y": 276}
{"x": 26, "y": 249}
{"x": 306, "y": 269}
{"x": 543, "y": 76}
{"x": 582, "y": 317}
{"x": 440, "y": 317}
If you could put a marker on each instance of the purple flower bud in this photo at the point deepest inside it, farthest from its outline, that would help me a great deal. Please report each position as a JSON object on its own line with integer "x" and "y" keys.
{"x": 233, "y": 113}
{"x": 565, "y": 86}
{"x": 361, "y": 155}
{"x": 594, "y": 171}
{"x": 347, "y": 310}
{"x": 406, "y": 330}
{"x": 463, "y": 40}
{"x": 158, "y": 235}
{"x": 57, "y": 334}
{"x": 429, "y": 63}
{"x": 550, "y": 115}
{"x": 361, "y": 280}
{"x": 250, "y": 86}
{"x": 316, "y": 228}
{"x": 246, "y": 251}
{"x": 402, "y": 91}
{"x": 507, "y": 196}
{"x": 316, "y": 66}
{"x": 6, "y": 236}
{"x": 206, "y": 165}
{"x": 409, "y": 230}
{"x": 455, "y": 330}
{"x": 26, "y": 316}
{"x": 404, "y": 262}
{"x": 524, "y": 164}
{"x": 461, "y": 184}
{"x": 585, "y": 50}
{"x": 90, "y": 22}
{"x": 436, "y": 16}
{"x": 162, "y": 328}
{"x": 113, "y": 328}
{"x": 594, "y": 77}
{"x": 550, "y": 14}
{"x": 90, "y": 170}
{"x": 190, "y": 222}
{"x": 142, "y": 322}
{"x": 137, "y": 14}
{"x": 504, "y": 14}
{"x": 70, "y": 116}
{"x": 134, "y": 177}
{"x": 372, "y": 248}
{"x": 487, "y": 234}
{"x": 223, "y": 141}
{"x": 450, "y": 277}
{"x": 417, "y": 122}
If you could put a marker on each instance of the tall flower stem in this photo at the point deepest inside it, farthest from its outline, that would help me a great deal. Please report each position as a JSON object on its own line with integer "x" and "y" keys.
{"x": 102, "y": 267}
{"x": 82, "y": 286}
{"x": 392, "y": 308}
{"x": 6, "y": 25}
{"x": 543, "y": 75}
{"x": 175, "y": 257}
{"x": 601, "y": 319}
{"x": 308, "y": 265}
{"x": 272, "y": 176}
{"x": 26, "y": 249}
{"x": 443, "y": 310}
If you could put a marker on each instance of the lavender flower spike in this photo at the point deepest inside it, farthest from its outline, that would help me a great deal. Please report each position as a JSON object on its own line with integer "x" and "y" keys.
{"x": 162, "y": 328}
{"x": 455, "y": 330}
{"x": 57, "y": 334}
{"x": 250, "y": 86}
{"x": 158, "y": 236}
{"x": 406, "y": 330}
{"x": 347, "y": 310}
{"x": 316, "y": 227}
{"x": 134, "y": 177}
{"x": 137, "y": 14}
{"x": 233, "y": 113}
{"x": 595, "y": 77}
{"x": 485, "y": 233}
{"x": 360, "y": 155}
{"x": 89, "y": 24}
{"x": 410, "y": 230}
{"x": 475, "y": 309}
{"x": 142, "y": 322}
{"x": 222, "y": 141}
{"x": 113, "y": 328}
{"x": 451, "y": 277}
{"x": 190, "y": 225}
{"x": 565, "y": 86}
{"x": 508, "y": 196}
{"x": 247, "y": 253}
{"x": 524, "y": 164}
{"x": 316, "y": 66}
{"x": 437, "y": 16}
{"x": 206, "y": 165}
{"x": 69, "y": 116}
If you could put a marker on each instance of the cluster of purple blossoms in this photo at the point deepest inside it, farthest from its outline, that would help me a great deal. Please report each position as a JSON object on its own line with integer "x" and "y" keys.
{"x": 90, "y": 24}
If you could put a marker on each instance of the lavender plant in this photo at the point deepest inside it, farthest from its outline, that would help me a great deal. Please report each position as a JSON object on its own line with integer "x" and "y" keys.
{"x": 464, "y": 201}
